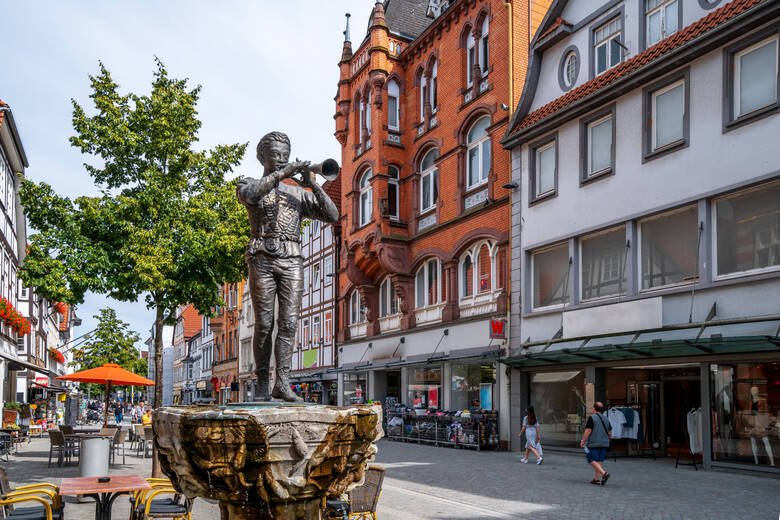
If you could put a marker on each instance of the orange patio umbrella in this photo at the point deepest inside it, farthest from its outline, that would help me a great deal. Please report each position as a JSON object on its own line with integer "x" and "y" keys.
{"x": 108, "y": 374}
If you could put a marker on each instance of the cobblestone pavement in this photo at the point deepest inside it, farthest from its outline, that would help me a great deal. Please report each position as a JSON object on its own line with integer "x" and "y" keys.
{"x": 429, "y": 483}
{"x": 425, "y": 482}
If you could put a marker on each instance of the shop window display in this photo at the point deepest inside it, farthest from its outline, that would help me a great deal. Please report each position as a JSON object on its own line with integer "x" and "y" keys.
{"x": 424, "y": 388}
{"x": 472, "y": 382}
{"x": 745, "y": 401}
{"x": 354, "y": 388}
{"x": 559, "y": 401}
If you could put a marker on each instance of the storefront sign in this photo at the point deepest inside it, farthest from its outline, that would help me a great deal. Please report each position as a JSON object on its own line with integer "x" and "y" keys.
{"x": 42, "y": 380}
{"x": 310, "y": 358}
{"x": 497, "y": 329}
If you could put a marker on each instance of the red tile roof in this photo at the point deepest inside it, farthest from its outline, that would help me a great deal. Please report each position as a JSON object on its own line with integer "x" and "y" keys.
{"x": 655, "y": 52}
{"x": 192, "y": 321}
{"x": 557, "y": 23}
{"x": 333, "y": 189}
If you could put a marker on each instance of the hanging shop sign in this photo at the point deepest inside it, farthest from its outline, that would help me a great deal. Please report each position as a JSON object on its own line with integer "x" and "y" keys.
{"x": 497, "y": 329}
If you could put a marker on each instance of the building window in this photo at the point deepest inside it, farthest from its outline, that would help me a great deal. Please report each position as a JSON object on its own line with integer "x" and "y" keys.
{"x": 478, "y": 143}
{"x": 748, "y": 231}
{"x": 478, "y": 270}
{"x": 366, "y": 198}
{"x": 473, "y": 381}
{"x": 544, "y": 168}
{"x": 607, "y": 47}
{"x": 357, "y": 312}
{"x": 602, "y": 265}
{"x": 754, "y": 82}
{"x": 570, "y": 69}
{"x": 484, "y": 47}
{"x": 328, "y": 327}
{"x": 433, "y": 90}
{"x": 423, "y": 90}
{"x": 470, "y": 50}
{"x": 667, "y": 119}
{"x": 669, "y": 246}
{"x": 305, "y": 332}
{"x": 388, "y": 301}
{"x": 428, "y": 284}
{"x": 429, "y": 181}
{"x": 368, "y": 114}
{"x": 315, "y": 330}
{"x": 393, "y": 192}
{"x": 597, "y": 139}
{"x": 745, "y": 402}
{"x": 327, "y": 269}
{"x": 315, "y": 276}
{"x": 550, "y": 278}
{"x": 315, "y": 228}
{"x": 662, "y": 18}
{"x": 393, "y": 115}
{"x": 424, "y": 387}
{"x": 306, "y": 279}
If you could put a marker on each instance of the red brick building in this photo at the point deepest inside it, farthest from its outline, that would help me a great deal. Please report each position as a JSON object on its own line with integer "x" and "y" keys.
{"x": 422, "y": 103}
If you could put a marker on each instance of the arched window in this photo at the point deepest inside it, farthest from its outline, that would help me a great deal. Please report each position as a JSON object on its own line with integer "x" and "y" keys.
{"x": 357, "y": 312}
{"x": 388, "y": 301}
{"x": 368, "y": 114}
{"x": 470, "y": 48}
{"x": 423, "y": 90}
{"x": 433, "y": 90}
{"x": 484, "y": 54}
{"x": 393, "y": 115}
{"x": 466, "y": 277}
{"x": 393, "y": 192}
{"x": 429, "y": 181}
{"x": 482, "y": 269}
{"x": 366, "y": 198}
{"x": 428, "y": 284}
{"x": 478, "y": 143}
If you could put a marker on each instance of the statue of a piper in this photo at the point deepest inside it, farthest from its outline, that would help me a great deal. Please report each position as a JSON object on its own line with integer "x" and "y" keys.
{"x": 274, "y": 251}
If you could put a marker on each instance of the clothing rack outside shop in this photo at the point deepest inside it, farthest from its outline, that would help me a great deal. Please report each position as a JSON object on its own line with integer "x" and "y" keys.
{"x": 642, "y": 447}
{"x": 693, "y": 432}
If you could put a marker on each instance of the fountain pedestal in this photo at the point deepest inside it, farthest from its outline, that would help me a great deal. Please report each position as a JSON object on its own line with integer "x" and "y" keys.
{"x": 267, "y": 460}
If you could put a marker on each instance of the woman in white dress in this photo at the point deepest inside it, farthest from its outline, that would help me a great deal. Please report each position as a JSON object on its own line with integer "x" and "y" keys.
{"x": 533, "y": 438}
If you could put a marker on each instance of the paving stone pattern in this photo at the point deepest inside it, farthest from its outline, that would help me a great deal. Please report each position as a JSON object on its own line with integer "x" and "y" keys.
{"x": 425, "y": 482}
{"x": 429, "y": 483}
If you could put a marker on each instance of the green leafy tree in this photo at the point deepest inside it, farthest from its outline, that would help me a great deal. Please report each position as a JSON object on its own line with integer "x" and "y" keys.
{"x": 167, "y": 227}
{"x": 111, "y": 342}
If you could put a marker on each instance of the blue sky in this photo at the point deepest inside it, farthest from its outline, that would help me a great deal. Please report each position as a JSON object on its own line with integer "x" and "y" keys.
{"x": 263, "y": 66}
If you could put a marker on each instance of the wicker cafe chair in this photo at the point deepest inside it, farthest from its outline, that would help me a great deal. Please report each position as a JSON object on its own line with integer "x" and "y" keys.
{"x": 361, "y": 502}
{"x": 46, "y": 497}
{"x": 119, "y": 444}
{"x": 64, "y": 449}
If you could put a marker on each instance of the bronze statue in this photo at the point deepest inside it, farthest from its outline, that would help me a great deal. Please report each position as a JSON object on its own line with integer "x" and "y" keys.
{"x": 274, "y": 251}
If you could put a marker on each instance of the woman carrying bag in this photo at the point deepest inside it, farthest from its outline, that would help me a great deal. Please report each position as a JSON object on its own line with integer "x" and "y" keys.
{"x": 533, "y": 440}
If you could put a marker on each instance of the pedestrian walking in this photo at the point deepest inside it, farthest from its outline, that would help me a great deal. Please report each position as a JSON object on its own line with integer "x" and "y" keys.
{"x": 532, "y": 437}
{"x": 118, "y": 413}
{"x": 595, "y": 441}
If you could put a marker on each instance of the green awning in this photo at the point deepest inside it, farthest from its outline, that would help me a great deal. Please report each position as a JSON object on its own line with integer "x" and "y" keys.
{"x": 553, "y": 356}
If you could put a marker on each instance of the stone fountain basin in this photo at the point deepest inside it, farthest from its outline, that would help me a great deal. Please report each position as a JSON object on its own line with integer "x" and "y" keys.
{"x": 266, "y": 453}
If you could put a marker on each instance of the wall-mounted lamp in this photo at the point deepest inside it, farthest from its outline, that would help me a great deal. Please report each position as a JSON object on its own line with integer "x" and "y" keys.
{"x": 403, "y": 339}
{"x": 446, "y": 332}
{"x": 511, "y": 185}
{"x": 504, "y": 107}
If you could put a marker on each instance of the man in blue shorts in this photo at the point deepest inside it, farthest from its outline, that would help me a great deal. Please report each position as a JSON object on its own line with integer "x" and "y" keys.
{"x": 595, "y": 441}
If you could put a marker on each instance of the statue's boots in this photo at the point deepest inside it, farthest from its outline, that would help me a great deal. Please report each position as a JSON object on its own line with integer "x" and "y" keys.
{"x": 262, "y": 390}
{"x": 282, "y": 386}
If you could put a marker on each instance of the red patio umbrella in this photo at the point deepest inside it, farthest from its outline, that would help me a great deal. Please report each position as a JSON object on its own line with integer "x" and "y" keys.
{"x": 108, "y": 374}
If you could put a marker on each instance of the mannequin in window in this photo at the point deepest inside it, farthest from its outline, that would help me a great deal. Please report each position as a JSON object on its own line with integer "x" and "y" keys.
{"x": 757, "y": 424}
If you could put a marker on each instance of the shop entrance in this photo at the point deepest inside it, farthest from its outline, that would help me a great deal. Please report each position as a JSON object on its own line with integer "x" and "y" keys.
{"x": 665, "y": 398}
{"x": 394, "y": 384}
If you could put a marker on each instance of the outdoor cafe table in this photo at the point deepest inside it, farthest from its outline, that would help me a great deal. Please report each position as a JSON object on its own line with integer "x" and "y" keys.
{"x": 104, "y": 493}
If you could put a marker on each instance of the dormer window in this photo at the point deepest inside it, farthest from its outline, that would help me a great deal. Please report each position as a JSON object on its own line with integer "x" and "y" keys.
{"x": 662, "y": 19}
{"x": 607, "y": 48}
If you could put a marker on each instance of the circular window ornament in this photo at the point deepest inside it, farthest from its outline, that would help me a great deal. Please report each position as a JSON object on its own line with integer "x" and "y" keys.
{"x": 709, "y": 4}
{"x": 569, "y": 68}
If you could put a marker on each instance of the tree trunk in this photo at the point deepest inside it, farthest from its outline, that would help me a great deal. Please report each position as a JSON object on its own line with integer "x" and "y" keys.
{"x": 158, "y": 380}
